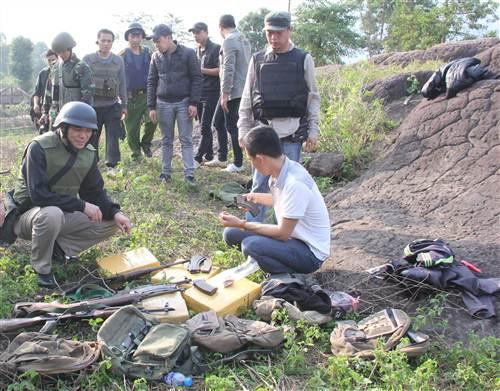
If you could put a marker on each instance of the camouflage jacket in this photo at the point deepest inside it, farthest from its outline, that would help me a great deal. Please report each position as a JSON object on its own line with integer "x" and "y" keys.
{"x": 78, "y": 75}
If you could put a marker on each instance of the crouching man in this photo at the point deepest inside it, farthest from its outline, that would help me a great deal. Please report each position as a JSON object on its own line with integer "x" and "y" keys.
{"x": 300, "y": 241}
{"x": 60, "y": 193}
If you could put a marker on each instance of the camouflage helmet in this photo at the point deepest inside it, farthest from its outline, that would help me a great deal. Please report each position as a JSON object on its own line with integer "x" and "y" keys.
{"x": 134, "y": 26}
{"x": 63, "y": 41}
{"x": 77, "y": 114}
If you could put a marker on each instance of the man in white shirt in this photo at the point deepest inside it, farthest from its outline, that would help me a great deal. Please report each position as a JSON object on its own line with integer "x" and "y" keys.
{"x": 300, "y": 241}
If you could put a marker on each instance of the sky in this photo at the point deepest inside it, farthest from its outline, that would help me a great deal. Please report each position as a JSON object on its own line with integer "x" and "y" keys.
{"x": 82, "y": 19}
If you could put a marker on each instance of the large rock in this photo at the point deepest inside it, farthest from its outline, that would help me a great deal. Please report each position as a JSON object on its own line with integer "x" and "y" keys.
{"x": 325, "y": 164}
{"x": 443, "y": 52}
{"x": 436, "y": 177}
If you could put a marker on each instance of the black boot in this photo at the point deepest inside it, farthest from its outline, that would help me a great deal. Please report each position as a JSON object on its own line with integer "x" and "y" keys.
{"x": 46, "y": 280}
{"x": 147, "y": 151}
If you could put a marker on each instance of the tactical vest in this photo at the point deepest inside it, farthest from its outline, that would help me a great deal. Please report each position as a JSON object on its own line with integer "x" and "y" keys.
{"x": 279, "y": 88}
{"x": 69, "y": 85}
{"x": 56, "y": 157}
{"x": 106, "y": 76}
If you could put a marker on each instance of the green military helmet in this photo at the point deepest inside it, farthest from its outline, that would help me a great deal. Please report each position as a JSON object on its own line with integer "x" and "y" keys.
{"x": 63, "y": 41}
{"x": 77, "y": 114}
{"x": 134, "y": 27}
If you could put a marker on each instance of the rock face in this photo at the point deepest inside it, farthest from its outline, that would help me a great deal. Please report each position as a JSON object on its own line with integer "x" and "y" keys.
{"x": 444, "y": 52}
{"x": 437, "y": 177}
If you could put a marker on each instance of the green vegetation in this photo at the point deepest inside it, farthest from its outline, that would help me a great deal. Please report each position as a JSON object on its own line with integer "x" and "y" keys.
{"x": 351, "y": 121}
{"x": 177, "y": 222}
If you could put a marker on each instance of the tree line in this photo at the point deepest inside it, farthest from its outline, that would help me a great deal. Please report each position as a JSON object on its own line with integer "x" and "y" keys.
{"x": 329, "y": 30}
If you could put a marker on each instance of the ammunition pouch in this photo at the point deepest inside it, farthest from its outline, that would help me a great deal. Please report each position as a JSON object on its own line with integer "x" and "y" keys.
{"x": 106, "y": 87}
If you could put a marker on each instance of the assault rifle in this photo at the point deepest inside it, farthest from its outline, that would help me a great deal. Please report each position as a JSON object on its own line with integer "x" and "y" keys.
{"x": 121, "y": 278}
{"x": 27, "y": 309}
{"x": 17, "y": 324}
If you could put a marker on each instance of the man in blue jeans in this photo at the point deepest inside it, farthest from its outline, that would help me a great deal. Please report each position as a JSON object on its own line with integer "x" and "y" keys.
{"x": 173, "y": 94}
{"x": 300, "y": 241}
{"x": 280, "y": 90}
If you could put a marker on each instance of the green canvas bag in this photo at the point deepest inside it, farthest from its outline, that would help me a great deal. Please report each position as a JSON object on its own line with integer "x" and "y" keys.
{"x": 47, "y": 354}
{"x": 140, "y": 346}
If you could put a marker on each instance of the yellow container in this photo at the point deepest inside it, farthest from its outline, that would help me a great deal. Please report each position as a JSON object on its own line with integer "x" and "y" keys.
{"x": 179, "y": 273}
{"x": 128, "y": 262}
{"x": 231, "y": 300}
{"x": 174, "y": 300}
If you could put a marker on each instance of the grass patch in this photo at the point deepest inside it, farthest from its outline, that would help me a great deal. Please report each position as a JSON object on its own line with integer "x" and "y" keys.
{"x": 350, "y": 122}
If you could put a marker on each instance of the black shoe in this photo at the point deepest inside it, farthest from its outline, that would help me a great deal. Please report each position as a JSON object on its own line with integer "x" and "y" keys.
{"x": 165, "y": 179}
{"x": 190, "y": 180}
{"x": 147, "y": 151}
{"x": 46, "y": 280}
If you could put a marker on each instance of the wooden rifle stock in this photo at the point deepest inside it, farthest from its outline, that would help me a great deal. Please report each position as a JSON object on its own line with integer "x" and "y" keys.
{"x": 16, "y": 324}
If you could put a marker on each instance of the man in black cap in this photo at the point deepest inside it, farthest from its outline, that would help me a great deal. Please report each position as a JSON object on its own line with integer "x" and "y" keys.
{"x": 137, "y": 58}
{"x": 174, "y": 89}
{"x": 208, "y": 55}
{"x": 281, "y": 91}
{"x": 235, "y": 55}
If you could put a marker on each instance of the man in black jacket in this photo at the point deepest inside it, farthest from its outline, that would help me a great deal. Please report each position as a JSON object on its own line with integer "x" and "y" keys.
{"x": 60, "y": 193}
{"x": 174, "y": 89}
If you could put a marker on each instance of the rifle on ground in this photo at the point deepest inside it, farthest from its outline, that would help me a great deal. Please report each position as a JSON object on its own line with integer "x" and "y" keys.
{"x": 121, "y": 278}
{"x": 16, "y": 324}
{"x": 27, "y": 309}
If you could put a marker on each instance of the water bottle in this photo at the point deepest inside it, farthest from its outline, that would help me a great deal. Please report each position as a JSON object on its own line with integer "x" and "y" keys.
{"x": 177, "y": 379}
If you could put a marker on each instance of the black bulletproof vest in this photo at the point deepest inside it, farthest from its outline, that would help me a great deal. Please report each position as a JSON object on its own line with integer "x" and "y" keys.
{"x": 279, "y": 89}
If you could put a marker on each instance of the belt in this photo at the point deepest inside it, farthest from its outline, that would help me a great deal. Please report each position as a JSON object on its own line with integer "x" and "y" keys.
{"x": 137, "y": 92}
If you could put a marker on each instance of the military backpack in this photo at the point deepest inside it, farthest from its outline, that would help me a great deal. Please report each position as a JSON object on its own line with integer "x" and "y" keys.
{"x": 140, "y": 346}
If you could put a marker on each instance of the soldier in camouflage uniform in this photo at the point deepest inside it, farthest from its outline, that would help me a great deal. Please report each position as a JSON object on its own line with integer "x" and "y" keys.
{"x": 71, "y": 78}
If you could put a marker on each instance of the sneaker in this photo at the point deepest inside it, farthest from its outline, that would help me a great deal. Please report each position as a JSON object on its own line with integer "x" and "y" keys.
{"x": 216, "y": 163}
{"x": 111, "y": 172}
{"x": 233, "y": 168}
{"x": 46, "y": 280}
{"x": 147, "y": 151}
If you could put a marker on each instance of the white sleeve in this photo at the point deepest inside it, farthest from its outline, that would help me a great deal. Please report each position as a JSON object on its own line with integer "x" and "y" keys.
{"x": 294, "y": 200}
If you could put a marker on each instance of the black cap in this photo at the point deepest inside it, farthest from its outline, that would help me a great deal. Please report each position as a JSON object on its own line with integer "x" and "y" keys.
{"x": 200, "y": 26}
{"x": 227, "y": 21}
{"x": 161, "y": 30}
{"x": 277, "y": 21}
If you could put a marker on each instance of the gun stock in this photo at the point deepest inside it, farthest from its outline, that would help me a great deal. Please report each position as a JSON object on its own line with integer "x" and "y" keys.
{"x": 16, "y": 324}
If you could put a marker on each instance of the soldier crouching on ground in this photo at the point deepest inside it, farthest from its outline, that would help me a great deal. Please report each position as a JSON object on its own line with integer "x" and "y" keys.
{"x": 60, "y": 193}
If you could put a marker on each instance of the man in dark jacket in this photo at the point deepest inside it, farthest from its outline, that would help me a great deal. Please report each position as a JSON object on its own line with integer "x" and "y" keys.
{"x": 208, "y": 55}
{"x": 61, "y": 195}
{"x": 174, "y": 89}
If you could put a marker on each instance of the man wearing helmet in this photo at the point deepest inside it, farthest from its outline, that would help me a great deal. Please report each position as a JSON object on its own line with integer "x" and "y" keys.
{"x": 71, "y": 79}
{"x": 60, "y": 193}
{"x": 137, "y": 58}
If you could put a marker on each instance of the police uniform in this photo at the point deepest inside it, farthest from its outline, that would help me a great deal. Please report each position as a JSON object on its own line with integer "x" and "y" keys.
{"x": 54, "y": 211}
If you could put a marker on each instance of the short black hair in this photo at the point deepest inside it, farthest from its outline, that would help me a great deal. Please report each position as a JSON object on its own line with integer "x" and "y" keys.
{"x": 49, "y": 53}
{"x": 263, "y": 140}
{"x": 105, "y": 31}
{"x": 227, "y": 21}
